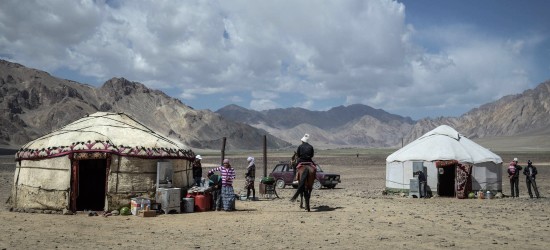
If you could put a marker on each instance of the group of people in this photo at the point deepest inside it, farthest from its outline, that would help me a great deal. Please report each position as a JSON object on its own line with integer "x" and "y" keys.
{"x": 222, "y": 184}
{"x": 530, "y": 173}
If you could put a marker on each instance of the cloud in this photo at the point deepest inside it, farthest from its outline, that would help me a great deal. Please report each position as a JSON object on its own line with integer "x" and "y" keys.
{"x": 357, "y": 51}
{"x": 262, "y": 104}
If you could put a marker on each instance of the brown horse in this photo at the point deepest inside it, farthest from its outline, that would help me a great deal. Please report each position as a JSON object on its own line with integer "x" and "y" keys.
{"x": 305, "y": 172}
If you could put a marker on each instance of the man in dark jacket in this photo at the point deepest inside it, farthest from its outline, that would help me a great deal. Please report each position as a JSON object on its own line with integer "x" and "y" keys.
{"x": 422, "y": 183}
{"x": 305, "y": 153}
{"x": 305, "y": 150}
{"x": 530, "y": 172}
{"x": 197, "y": 170}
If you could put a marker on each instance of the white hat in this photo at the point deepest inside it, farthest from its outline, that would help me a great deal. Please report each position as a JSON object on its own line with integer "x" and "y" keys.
{"x": 515, "y": 159}
{"x": 198, "y": 157}
{"x": 249, "y": 159}
{"x": 305, "y": 138}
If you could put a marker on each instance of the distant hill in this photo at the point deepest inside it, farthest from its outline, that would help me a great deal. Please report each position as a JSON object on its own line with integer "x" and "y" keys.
{"x": 363, "y": 126}
{"x": 344, "y": 126}
{"x": 34, "y": 103}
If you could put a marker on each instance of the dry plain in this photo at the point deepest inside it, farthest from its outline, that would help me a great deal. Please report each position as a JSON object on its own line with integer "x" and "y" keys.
{"x": 354, "y": 215}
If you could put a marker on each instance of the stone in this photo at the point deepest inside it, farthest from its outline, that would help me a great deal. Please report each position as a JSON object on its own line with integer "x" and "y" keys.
{"x": 67, "y": 212}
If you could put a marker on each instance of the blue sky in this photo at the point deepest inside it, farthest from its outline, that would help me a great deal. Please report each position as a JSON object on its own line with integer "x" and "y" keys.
{"x": 416, "y": 58}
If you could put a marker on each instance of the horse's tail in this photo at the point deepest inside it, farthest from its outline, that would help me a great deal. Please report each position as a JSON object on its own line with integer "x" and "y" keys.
{"x": 302, "y": 184}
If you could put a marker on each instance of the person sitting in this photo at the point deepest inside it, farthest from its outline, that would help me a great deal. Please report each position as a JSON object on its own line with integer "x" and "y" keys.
{"x": 304, "y": 153}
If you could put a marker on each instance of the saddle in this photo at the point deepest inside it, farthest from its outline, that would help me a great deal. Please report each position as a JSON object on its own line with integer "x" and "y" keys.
{"x": 302, "y": 164}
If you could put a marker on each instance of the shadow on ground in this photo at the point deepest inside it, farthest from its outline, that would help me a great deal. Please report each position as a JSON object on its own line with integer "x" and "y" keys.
{"x": 324, "y": 208}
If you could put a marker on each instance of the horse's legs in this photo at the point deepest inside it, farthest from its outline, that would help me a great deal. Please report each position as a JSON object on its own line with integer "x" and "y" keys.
{"x": 301, "y": 186}
{"x": 308, "y": 195}
{"x": 301, "y": 200}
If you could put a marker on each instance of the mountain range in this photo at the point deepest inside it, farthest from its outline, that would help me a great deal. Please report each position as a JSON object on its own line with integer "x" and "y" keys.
{"x": 34, "y": 103}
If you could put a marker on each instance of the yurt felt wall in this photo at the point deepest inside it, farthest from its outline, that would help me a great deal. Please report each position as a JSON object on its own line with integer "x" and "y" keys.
{"x": 135, "y": 176}
{"x": 42, "y": 184}
{"x": 485, "y": 176}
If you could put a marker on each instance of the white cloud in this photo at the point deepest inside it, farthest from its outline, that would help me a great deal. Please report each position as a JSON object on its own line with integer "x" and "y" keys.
{"x": 262, "y": 104}
{"x": 354, "y": 50}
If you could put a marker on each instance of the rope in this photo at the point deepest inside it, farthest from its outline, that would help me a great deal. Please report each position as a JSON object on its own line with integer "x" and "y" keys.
{"x": 125, "y": 125}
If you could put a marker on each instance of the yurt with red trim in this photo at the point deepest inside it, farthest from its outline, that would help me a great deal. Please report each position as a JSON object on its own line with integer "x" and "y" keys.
{"x": 98, "y": 162}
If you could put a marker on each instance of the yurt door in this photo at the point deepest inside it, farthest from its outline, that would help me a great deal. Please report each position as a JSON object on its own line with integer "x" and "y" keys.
{"x": 89, "y": 178}
{"x": 446, "y": 180}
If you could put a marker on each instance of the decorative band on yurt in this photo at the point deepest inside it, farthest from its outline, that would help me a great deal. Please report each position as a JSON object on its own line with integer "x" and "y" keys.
{"x": 442, "y": 164}
{"x": 105, "y": 147}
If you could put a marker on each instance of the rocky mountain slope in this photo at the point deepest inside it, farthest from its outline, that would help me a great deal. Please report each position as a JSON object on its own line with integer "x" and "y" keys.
{"x": 363, "y": 126}
{"x": 34, "y": 103}
{"x": 521, "y": 114}
{"x": 351, "y": 126}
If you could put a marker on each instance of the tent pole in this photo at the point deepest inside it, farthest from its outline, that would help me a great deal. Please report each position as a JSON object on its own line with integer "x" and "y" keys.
{"x": 265, "y": 155}
{"x": 223, "y": 150}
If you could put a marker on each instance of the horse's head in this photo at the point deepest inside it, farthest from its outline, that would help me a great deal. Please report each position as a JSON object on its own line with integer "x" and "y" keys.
{"x": 294, "y": 159}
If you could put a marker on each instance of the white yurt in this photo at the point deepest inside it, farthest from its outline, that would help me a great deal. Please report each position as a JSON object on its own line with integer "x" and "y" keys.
{"x": 437, "y": 154}
{"x": 98, "y": 162}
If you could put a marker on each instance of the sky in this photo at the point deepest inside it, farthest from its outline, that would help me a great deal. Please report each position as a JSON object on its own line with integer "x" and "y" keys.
{"x": 415, "y": 58}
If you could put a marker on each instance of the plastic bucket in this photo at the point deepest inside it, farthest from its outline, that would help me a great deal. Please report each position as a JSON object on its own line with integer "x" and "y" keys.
{"x": 202, "y": 203}
{"x": 188, "y": 205}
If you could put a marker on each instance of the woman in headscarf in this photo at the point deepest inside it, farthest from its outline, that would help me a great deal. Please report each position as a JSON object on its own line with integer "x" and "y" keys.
{"x": 250, "y": 176}
{"x": 228, "y": 194}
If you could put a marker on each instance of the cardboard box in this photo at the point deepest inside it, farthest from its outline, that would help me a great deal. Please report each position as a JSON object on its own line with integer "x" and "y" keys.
{"x": 135, "y": 204}
{"x": 150, "y": 213}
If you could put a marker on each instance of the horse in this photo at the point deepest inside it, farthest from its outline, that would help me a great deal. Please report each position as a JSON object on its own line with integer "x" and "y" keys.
{"x": 305, "y": 172}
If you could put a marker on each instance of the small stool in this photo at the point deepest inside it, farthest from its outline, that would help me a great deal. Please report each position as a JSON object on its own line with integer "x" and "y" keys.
{"x": 268, "y": 190}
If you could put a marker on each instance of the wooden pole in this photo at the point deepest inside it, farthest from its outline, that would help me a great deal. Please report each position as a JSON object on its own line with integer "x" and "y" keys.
{"x": 265, "y": 155}
{"x": 223, "y": 150}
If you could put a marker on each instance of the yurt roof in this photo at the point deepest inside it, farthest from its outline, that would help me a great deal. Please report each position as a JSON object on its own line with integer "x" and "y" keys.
{"x": 444, "y": 143}
{"x": 115, "y": 133}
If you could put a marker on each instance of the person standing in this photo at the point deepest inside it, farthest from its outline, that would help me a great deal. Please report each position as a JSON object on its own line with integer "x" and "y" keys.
{"x": 530, "y": 172}
{"x": 305, "y": 153}
{"x": 422, "y": 182}
{"x": 513, "y": 174}
{"x": 250, "y": 176}
{"x": 215, "y": 183}
{"x": 197, "y": 170}
{"x": 228, "y": 194}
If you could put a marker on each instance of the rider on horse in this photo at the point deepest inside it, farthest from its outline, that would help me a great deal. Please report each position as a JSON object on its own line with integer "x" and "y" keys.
{"x": 305, "y": 153}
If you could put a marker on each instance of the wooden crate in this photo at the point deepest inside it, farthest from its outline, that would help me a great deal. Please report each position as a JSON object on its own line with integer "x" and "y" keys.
{"x": 150, "y": 213}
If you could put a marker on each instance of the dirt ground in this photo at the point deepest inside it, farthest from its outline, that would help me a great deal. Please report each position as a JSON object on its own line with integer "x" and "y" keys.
{"x": 354, "y": 215}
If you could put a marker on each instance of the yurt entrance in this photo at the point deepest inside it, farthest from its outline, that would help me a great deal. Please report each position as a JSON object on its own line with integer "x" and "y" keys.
{"x": 89, "y": 178}
{"x": 446, "y": 174}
